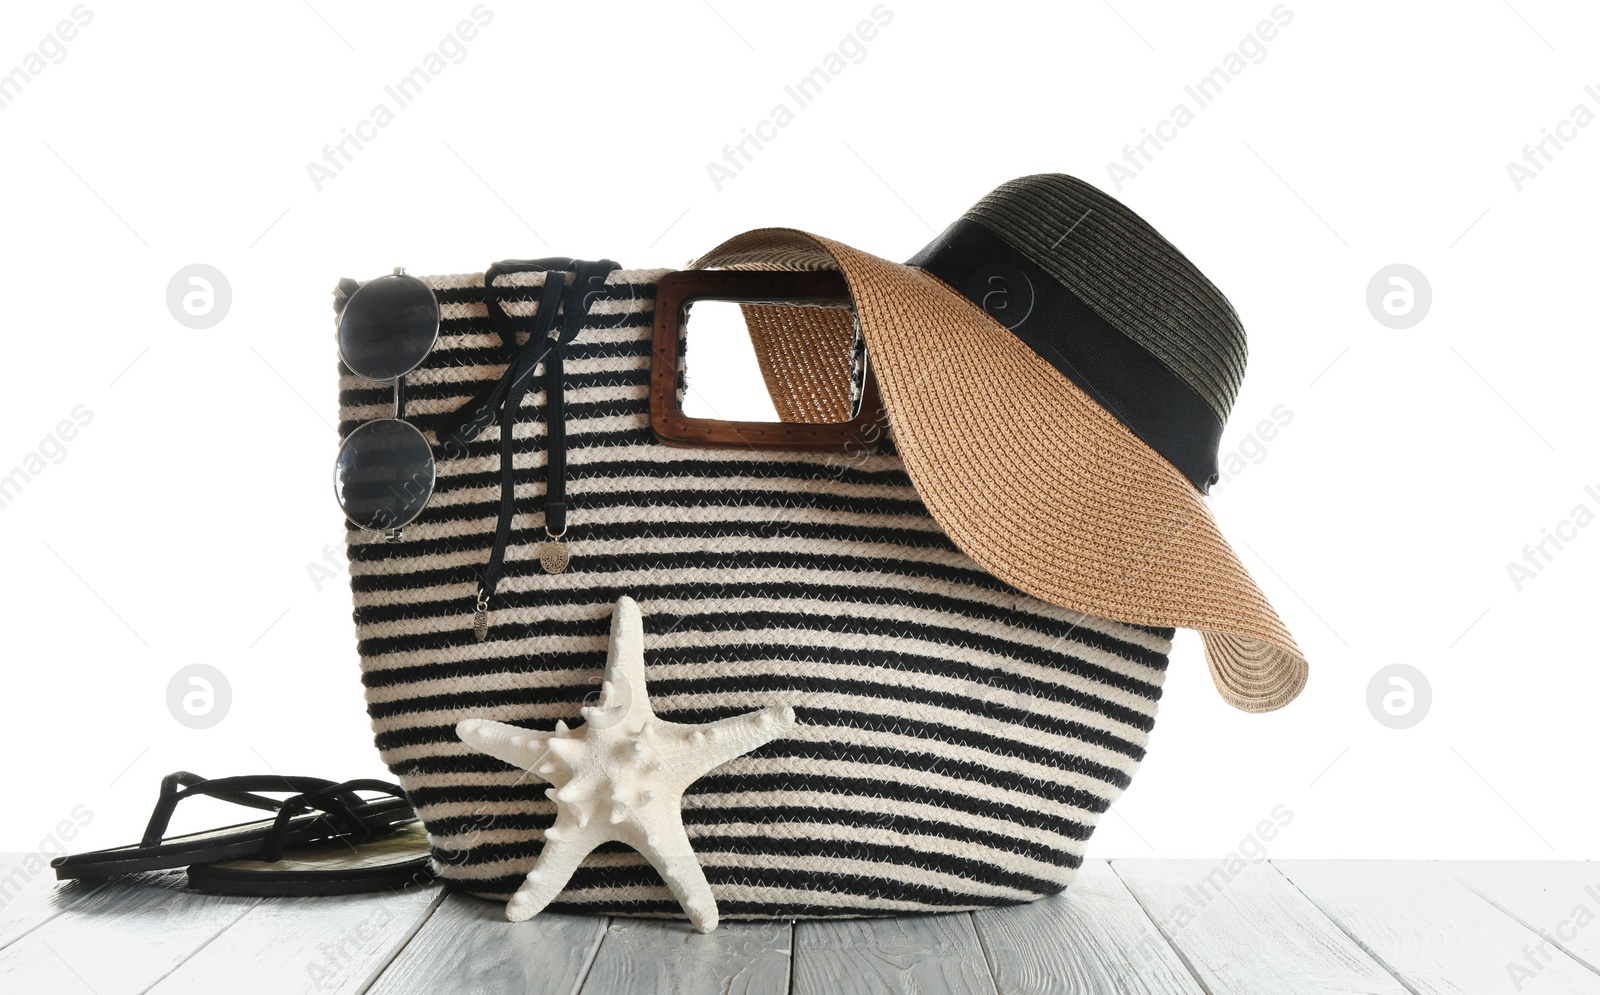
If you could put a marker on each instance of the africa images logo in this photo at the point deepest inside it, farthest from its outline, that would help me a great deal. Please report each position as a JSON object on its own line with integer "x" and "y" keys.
{"x": 1553, "y": 540}
{"x": 51, "y": 51}
{"x": 1251, "y": 51}
{"x": 851, "y": 51}
{"x": 1004, "y": 292}
{"x": 451, "y": 51}
{"x": 1553, "y": 140}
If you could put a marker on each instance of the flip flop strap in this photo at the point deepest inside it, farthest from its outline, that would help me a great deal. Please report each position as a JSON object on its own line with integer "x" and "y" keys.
{"x": 336, "y": 800}
{"x": 177, "y": 786}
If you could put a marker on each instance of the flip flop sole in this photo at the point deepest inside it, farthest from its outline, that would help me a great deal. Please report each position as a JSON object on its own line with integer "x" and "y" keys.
{"x": 335, "y": 867}
{"x": 239, "y": 841}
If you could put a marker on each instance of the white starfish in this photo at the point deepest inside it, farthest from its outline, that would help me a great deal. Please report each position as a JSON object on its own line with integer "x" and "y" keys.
{"x": 621, "y": 776}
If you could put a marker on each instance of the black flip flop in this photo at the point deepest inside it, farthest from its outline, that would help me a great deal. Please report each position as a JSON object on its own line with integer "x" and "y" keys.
{"x": 318, "y": 811}
{"x": 334, "y": 867}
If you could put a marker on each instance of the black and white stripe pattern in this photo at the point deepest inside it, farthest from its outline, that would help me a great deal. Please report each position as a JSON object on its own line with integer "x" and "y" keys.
{"x": 958, "y": 740}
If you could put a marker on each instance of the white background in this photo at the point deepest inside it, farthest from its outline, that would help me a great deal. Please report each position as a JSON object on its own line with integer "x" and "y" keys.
{"x": 179, "y": 527}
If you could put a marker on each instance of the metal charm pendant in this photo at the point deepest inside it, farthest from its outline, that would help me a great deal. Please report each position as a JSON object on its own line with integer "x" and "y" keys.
{"x": 554, "y": 556}
{"x": 480, "y": 619}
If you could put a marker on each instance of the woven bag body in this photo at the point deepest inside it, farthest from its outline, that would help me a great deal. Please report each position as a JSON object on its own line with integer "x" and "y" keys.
{"x": 957, "y": 739}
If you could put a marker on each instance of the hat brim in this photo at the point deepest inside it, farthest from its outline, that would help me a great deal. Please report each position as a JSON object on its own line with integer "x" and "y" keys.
{"x": 1035, "y": 481}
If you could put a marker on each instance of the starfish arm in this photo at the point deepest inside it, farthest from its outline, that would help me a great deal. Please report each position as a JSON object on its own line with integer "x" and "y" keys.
{"x": 674, "y": 859}
{"x": 519, "y": 747}
{"x": 625, "y": 661}
{"x": 553, "y": 870}
{"x": 715, "y": 743}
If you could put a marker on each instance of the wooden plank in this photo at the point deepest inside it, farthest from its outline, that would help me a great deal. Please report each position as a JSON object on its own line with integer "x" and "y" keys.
{"x": 1092, "y": 939}
{"x": 1559, "y": 900}
{"x": 925, "y": 955}
{"x": 667, "y": 957}
{"x": 468, "y": 946}
{"x": 333, "y": 944}
{"x": 30, "y": 897}
{"x": 122, "y": 938}
{"x": 1434, "y": 933}
{"x": 1242, "y": 928}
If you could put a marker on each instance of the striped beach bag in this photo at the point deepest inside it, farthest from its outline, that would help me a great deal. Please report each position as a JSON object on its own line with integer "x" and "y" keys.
{"x": 955, "y": 739}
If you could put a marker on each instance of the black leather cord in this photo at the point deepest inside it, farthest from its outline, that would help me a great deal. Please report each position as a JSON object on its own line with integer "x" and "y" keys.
{"x": 518, "y": 378}
{"x": 588, "y": 278}
{"x": 558, "y": 298}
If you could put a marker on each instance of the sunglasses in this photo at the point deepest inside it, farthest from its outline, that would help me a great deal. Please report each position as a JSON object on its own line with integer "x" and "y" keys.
{"x": 384, "y": 474}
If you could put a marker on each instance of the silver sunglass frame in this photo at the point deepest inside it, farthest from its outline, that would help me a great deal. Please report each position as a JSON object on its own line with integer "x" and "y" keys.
{"x": 396, "y": 531}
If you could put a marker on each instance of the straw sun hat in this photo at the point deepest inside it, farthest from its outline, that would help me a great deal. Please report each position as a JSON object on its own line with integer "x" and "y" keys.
{"x": 1056, "y": 376}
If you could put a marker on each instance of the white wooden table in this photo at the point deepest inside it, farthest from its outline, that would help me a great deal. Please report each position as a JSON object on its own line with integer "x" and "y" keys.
{"x": 1138, "y": 926}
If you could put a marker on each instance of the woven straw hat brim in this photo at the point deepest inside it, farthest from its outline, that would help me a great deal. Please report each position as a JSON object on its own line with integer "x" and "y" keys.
{"x": 1034, "y": 480}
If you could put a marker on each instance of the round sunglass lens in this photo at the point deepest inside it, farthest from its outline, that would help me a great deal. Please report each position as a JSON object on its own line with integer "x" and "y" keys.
{"x": 388, "y": 327}
{"x": 384, "y": 475}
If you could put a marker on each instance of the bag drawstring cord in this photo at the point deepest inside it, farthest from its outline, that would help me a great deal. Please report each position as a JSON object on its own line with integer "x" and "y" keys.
{"x": 545, "y": 345}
